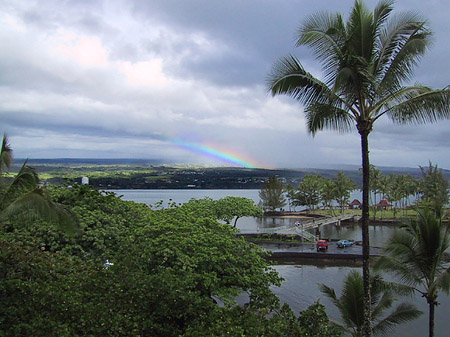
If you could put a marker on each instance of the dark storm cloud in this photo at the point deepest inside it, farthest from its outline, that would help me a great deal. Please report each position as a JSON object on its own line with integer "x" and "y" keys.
{"x": 252, "y": 33}
{"x": 110, "y": 77}
{"x": 18, "y": 121}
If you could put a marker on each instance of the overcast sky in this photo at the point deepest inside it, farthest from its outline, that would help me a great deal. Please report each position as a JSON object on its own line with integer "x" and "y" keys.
{"x": 138, "y": 79}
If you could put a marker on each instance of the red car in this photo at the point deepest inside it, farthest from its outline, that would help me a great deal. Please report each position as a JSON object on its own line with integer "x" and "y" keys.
{"x": 322, "y": 245}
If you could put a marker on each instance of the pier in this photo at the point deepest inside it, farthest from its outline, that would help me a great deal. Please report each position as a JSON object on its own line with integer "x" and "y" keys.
{"x": 301, "y": 227}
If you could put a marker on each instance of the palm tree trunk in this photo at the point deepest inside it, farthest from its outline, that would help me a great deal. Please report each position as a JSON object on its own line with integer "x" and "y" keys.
{"x": 431, "y": 318}
{"x": 367, "y": 327}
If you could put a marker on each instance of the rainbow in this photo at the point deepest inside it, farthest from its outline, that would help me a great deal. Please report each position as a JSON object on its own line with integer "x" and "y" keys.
{"x": 228, "y": 156}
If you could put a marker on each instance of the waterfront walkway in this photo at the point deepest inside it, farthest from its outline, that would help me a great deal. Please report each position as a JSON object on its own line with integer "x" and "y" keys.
{"x": 302, "y": 226}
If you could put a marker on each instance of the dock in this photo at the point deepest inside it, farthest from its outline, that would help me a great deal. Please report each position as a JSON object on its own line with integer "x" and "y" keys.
{"x": 301, "y": 227}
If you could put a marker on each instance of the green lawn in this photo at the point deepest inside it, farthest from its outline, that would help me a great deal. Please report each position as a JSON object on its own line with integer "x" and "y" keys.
{"x": 379, "y": 215}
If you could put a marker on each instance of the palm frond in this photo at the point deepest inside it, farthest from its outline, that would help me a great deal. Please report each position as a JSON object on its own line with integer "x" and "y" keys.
{"x": 407, "y": 273}
{"x": 330, "y": 293}
{"x": 350, "y": 304}
{"x": 325, "y": 34}
{"x": 289, "y": 77}
{"x": 5, "y": 155}
{"x": 402, "y": 43}
{"x": 321, "y": 116}
{"x": 36, "y": 203}
{"x": 381, "y": 12}
{"x": 25, "y": 180}
{"x": 426, "y": 107}
{"x": 404, "y": 312}
{"x": 417, "y": 254}
{"x": 384, "y": 302}
{"x": 394, "y": 97}
{"x": 341, "y": 327}
{"x": 443, "y": 281}
{"x": 397, "y": 288}
{"x": 360, "y": 28}
{"x": 351, "y": 299}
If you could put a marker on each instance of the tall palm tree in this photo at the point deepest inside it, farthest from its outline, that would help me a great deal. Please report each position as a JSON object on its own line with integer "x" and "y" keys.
{"x": 24, "y": 197}
{"x": 365, "y": 61}
{"x": 417, "y": 255}
{"x": 350, "y": 305}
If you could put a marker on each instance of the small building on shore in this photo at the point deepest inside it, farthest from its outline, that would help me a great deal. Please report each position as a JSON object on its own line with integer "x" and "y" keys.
{"x": 384, "y": 205}
{"x": 355, "y": 204}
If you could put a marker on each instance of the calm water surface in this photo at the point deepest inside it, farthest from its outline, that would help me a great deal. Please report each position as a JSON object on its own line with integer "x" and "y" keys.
{"x": 300, "y": 287}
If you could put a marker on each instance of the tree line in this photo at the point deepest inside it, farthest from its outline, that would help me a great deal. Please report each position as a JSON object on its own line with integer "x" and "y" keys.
{"x": 399, "y": 190}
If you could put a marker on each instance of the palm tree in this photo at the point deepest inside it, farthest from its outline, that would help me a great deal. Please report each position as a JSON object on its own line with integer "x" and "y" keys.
{"x": 383, "y": 186}
{"x": 350, "y": 305}
{"x": 434, "y": 188}
{"x": 365, "y": 61}
{"x": 417, "y": 255}
{"x": 24, "y": 197}
{"x": 327, "y": 193}
{"x": 374, "y": 178}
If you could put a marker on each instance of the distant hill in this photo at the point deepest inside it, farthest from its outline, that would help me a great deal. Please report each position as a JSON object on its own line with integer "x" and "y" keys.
{"x": 93, "y": 161}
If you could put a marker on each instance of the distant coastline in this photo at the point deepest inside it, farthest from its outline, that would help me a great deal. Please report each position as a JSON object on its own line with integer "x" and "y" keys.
{"x": 153, "y": 175}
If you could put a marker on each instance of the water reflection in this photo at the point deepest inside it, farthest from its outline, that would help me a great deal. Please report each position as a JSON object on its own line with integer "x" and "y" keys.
{"x": 378, "y": 234}
{"x": 300, "y": 289}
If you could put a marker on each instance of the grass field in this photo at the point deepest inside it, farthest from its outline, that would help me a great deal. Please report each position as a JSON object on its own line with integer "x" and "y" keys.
{"x": 379, "y": 215}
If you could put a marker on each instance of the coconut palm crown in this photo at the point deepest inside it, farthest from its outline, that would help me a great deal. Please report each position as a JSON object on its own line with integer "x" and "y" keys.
{"x": 350, "y": 305}
{"x": 418, "y": 255}
{"x": 24, "y": 196}
{"x": 366, "y": 61}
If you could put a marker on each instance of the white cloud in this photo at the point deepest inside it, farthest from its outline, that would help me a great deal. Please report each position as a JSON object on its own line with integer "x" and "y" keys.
{"x": 87, "y": 51}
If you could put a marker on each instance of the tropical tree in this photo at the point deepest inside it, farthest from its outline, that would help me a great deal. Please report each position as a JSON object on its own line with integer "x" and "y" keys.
{"x": 290, "y": 195}
{"x": 327, "y": 193}
{"x": 24, "y": 197}
{"x": 272, "y": 194}
{"x": 395, "y": 190}
{"x": 365, "y": 61}
{"x": 409, "y": 189}
{"x": 342, "y": 188}
{"x": 308, "y": 191}
{"x": 374, "y": 179}
{"x": 230, "y": 208}
{"x": 383, "y": 187}
{"x": 434, "y": 188}
{"x": 350, "y": 306}
{"x": 417, "y": 255}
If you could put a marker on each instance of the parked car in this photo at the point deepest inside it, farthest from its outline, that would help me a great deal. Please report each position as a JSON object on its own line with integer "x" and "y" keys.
{"x": 344, "y": 243}
{"x": 322, "y": 245}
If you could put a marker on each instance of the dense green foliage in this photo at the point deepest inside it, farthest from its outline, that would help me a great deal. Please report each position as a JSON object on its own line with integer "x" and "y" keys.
{"x": 134, "y": 271}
